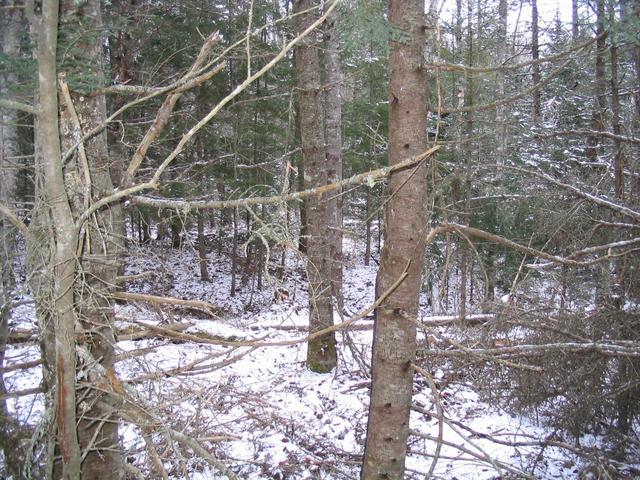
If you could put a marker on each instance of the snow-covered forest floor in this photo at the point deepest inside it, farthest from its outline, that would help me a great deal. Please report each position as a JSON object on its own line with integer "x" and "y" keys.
{"x": 256, "y": 408}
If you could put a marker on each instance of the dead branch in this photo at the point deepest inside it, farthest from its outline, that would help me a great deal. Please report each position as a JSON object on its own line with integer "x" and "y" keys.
{"x": 602, "y": 348}
{"x": 13, "y": 218}
{"x": 133, "y": 278}
{"x": 603, "y": 202}
{"x": 456, "y": 67}
{"x": 164, "y": 112}
{"x": 358, "y": 179}
{"x": 154, "y": 183}
{"x": 20, "y": 106}
{"x": 206, "y": 307}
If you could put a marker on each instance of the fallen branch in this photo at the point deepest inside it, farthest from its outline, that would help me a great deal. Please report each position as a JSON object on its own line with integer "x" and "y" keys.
{"x": 158, "y": 300}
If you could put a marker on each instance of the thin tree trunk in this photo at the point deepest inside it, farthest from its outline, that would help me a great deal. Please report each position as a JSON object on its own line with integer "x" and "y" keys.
{"x": 367, "y": 246}
{"x": 64, "y": 271}
{"x": 202, "y": 249}
{"x": 321, "y": 351}
{"x": 535, "y": 54}
{"x": 333, "y": 129}
{"x": 501, "y": 111}
{"x": 234, "y": 252}
{"x": 574, "y": 20}
{"x": 394, "y": 343}
{"x": 10, "y": 26}
{"x": 597, "y": 118}
{"x": 468, "y": 154}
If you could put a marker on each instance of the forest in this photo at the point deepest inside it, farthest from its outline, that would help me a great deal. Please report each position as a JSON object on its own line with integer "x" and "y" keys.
{"x": 272, "y": 239}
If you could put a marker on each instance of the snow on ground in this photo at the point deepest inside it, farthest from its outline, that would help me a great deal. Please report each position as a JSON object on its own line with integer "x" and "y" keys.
{"x": 259, "y": 410}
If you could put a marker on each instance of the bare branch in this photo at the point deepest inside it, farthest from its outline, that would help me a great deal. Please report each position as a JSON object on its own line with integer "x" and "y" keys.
{"x": 197, "y": 304}
{"x": 164, "y": 112}
{"x": 20, "y": 106}
{"x": 154, "y": 182}
{"x": 456, "y": 67}
{"x": 604, "y": 202}
{"x": 358, "y": 179}
{"x": 15, "y": 221}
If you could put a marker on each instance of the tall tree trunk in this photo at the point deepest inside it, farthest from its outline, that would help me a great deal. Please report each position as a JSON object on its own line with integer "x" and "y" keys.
{"x": 100, "y": 244}
{"x": 468, "y": 154}
{"x": 321, "y": 351}
{"x": 333, "y": 129}
{"x": 597, "y": 118}
{"x": 10, "y": 26}
{"x": 535, "y": 54}
{"x": 394, "y": 343}
{"x": 501, "y": 110}
{"x": 59, "y": 333}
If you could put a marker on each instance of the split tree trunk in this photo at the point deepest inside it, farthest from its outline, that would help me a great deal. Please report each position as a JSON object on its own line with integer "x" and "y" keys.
{"x": 321, "y": 351}
{"x": 394, "y": 344}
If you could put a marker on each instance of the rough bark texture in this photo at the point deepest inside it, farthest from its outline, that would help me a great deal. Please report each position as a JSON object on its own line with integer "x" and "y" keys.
{"x": 333, "y": 129}
{"x": 321, "y": 351}
{"x": 394, "y": 341}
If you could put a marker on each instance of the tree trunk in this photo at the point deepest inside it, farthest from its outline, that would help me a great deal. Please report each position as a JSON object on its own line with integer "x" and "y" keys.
{"x": 10, "y": 26}
{"x": 394, "y": 344}
{"x": 535, "y": 54}
{"x": 468, "y": 154}
{"x": 574, "y": 20}
{"x": 202, "y": 249}
{"x": 367, "y": 245}
{"x": 321, "y": 351}
{"x": 333, "y": 129}
{"x": 501, "y": 110}
{"x": 234, "y": 252}
{"x": 597, "y": 118}
{"x": 59, "y": 333}
{"x": 100, "y": 244}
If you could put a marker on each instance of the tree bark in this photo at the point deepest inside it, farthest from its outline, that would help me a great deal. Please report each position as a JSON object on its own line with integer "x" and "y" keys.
{"x": 535, "y": 54}
{"x": 333, "y": 129}
{"x": 501, "y": 110}
{"x": 100, "y": 243}
{"x": 321, "y": 351}
{"x": 394, "y": 343}
{"x": 60, "y": 348}
{"x": 202, "y": 249}
{"x": 597, "y": 118}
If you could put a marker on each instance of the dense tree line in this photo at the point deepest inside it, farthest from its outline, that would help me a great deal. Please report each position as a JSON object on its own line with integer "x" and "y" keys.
{"x": 494, "y": 153}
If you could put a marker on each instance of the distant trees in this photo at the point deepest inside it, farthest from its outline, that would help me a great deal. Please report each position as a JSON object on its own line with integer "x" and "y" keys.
{"x": 147, "y": 121}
